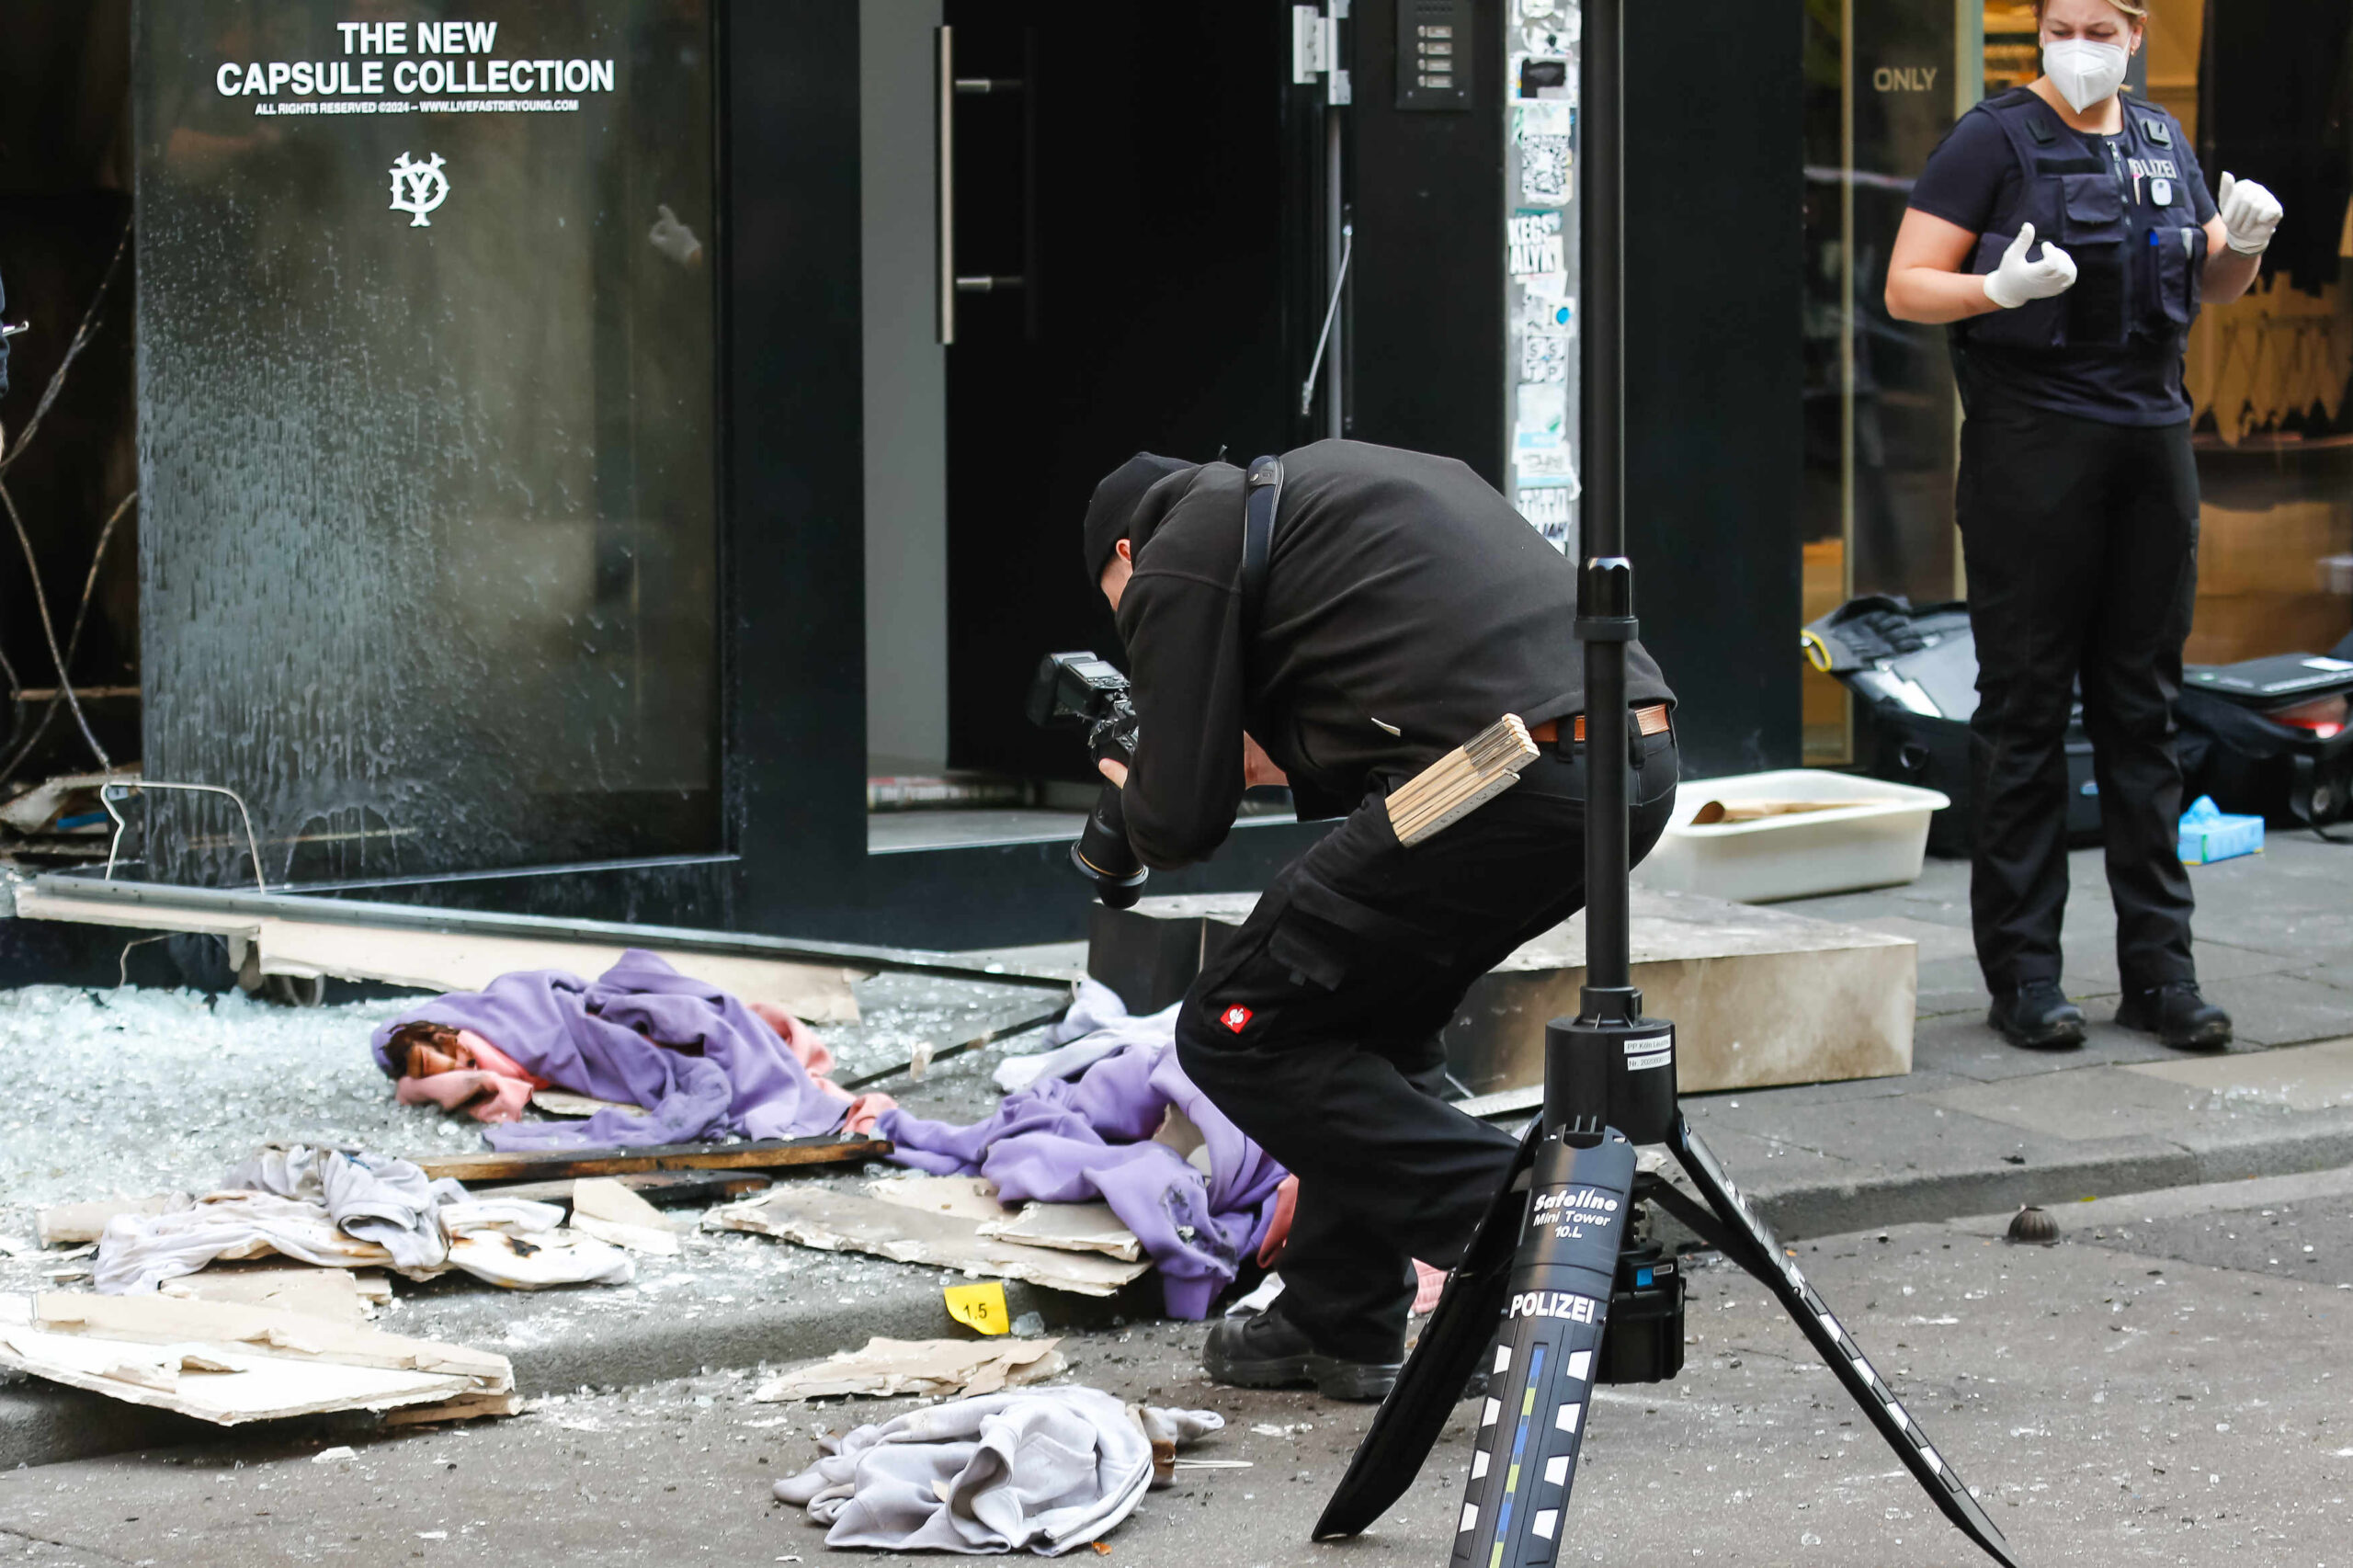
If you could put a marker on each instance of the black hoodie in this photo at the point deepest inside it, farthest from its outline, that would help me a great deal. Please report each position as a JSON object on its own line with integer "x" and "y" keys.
{"x": 1408, "y": 607}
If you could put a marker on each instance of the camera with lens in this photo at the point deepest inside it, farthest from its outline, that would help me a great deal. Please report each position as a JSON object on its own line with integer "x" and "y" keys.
{"x": 1079, "y": 689}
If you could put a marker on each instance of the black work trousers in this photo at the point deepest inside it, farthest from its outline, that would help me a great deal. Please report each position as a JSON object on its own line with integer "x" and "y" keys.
{"x": 2081, "y": 539}
{"x": 1317, "y": 1032}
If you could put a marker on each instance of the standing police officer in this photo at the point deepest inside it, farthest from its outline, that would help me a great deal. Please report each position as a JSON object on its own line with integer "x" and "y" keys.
{"x": 1405, "y": 608}
{"x": 2077, "y": 497}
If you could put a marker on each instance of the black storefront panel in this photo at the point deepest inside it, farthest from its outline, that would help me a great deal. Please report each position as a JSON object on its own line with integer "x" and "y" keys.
{"x": 430, "y": 536}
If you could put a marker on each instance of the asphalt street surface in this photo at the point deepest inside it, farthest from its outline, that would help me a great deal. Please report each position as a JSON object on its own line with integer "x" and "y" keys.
{"x": 2168, "y": 1385}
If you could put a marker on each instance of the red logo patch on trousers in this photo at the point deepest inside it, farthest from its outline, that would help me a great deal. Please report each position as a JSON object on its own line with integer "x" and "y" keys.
{"x": 1236, "y": 1018}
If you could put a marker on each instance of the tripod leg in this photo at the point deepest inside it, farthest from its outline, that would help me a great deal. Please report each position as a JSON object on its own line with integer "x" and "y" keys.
{"x": 1750, "y": 1243}
{"x": 1524, "y": 1457}
{"x": 1407, "y": 1424}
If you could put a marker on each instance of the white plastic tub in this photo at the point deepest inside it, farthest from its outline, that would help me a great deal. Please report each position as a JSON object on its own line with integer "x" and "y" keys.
{"x": 1878, "y": 841}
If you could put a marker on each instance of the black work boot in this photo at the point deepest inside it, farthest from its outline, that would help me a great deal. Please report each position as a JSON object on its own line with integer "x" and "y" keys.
{"x": 1262, "y": 1350}
{"x": 2177, "y": 1015}
{"x": 2038, "y": 1016}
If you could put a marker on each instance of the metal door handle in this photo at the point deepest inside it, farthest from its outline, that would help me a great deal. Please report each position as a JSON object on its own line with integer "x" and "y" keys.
{"x": 944, "y": 176}
{"x": 949, "y": 88}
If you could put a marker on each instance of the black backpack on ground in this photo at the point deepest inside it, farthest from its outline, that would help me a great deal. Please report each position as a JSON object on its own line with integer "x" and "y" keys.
{"x": 2271, "y": 737}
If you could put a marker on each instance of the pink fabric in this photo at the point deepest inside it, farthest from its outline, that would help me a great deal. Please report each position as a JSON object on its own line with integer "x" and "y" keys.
{"x": 1433, "y": 1280}
{"x": 1278, "y": 1228}
{"x": 1428, "y": 1281}
{"x": 802, "y": 1041}
{"x": 495, "y": 1089}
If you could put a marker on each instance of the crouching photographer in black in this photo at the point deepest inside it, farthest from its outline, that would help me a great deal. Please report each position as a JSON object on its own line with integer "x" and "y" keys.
{"x": 1401, "y": 608}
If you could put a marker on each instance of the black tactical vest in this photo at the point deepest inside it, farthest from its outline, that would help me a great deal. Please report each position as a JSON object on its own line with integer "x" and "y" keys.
{"x": 2126, "y": 215}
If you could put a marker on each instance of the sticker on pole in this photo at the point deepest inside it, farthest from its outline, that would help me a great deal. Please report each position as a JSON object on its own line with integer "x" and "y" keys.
{"x": 980, "y": 1307}
{"x": 1645, "y": 1051}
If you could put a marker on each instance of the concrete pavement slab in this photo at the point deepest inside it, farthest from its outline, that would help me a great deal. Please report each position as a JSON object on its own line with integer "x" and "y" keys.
{"x": 2303, "y": 1077}
{"x": 2281, "y": 1009}
{"x": 2090, "y": 1104}
{"x": 1967, "y": 1047}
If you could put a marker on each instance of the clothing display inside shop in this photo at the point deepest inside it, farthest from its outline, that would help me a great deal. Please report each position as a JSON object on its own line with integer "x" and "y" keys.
{"x": 2282, "y": 353}
{"x": 682, "y": 1060}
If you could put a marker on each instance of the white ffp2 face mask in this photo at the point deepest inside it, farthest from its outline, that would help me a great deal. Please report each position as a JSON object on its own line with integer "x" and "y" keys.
{"x": 2084, "y": 71}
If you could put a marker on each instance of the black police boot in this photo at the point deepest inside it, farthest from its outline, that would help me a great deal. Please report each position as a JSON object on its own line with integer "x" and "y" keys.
{"x": 2177, "y": 1015}
{"x": 1262, "y": 1350}
{"x": 2038, "y": 1016}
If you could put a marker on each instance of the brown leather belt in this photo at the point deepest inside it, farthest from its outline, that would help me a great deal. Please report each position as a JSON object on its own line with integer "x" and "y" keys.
{"x": 1650, "y": 721}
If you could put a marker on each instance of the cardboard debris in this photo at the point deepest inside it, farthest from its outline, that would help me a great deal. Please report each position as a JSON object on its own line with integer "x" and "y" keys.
{"x": 612, "y": 1212}
{"x": 1066, "y": 1227}
{"x": 967, "y": 1197}
{"x": 69, "y": 1224}
{"x": 465, "y": 1407}
{"x": 230, "y": 1363}
{"x": 1176, "y": 1131}
{"x": 1069, "y": 1227}
{"x": 332, "y": 1294}
{"x": 888, "y": 1368}
{"x": 849, "y": 1222}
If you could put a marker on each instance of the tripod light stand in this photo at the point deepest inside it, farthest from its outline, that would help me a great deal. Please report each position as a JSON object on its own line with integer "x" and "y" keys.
{"x": 1557, "y": 1253}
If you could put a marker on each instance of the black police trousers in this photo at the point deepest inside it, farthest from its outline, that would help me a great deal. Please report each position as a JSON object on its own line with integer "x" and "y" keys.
{"x": 2081, "y": 542}
{"x": 1316, "y": 1031}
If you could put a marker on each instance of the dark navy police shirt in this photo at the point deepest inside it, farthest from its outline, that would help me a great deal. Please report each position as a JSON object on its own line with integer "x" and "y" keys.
{"x": 1973, "y": 176}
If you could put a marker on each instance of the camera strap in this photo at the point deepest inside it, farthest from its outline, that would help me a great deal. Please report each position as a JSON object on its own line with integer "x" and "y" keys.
{"x": 1263, "y": 497}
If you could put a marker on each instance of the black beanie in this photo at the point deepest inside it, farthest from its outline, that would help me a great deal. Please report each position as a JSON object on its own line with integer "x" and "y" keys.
{"x": 1113, "y": 508}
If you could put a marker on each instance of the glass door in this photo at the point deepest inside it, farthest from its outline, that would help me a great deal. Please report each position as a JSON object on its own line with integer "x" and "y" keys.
{"x": 1885, "y": 79}
{"x": 426, "y": 409}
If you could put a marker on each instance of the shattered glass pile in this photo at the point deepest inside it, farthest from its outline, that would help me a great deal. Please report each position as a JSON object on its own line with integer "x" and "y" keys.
{"x": 133, "y": 1091}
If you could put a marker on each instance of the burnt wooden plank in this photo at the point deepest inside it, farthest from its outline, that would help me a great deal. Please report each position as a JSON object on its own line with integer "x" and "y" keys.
{"x": 767, "y": 1154}
{"x": 661, "y": 1188}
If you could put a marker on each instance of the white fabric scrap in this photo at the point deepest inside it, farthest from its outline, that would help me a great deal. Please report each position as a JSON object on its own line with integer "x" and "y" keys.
{"x": 1033, "y": 1470}
{"x": 372, "y": 1197}
{"x": 1096, "y": 1026}
{"x": 139, "y": 1251}
{"x": 515, "y": 1216}
{"x": 536, "y": 1262}
{"x": 353, "y": 1209}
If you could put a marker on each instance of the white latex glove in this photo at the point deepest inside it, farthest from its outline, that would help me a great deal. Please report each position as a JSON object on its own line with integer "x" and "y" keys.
{"x": 674, "y": 239}
{"x": 2017, "y": 281}
{"x": 2250, "y": 214}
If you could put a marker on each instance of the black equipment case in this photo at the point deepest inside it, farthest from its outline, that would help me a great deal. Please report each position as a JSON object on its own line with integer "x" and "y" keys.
{"x": 1913, "y": 674}
{"x": 2271, "y": 737}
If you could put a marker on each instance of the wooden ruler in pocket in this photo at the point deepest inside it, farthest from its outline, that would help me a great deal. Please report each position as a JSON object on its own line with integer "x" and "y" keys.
{"x": 1462, "y": 780}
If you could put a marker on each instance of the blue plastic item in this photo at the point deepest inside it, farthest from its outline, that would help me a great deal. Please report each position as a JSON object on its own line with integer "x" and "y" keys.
{"x": 2208, "y": 834}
